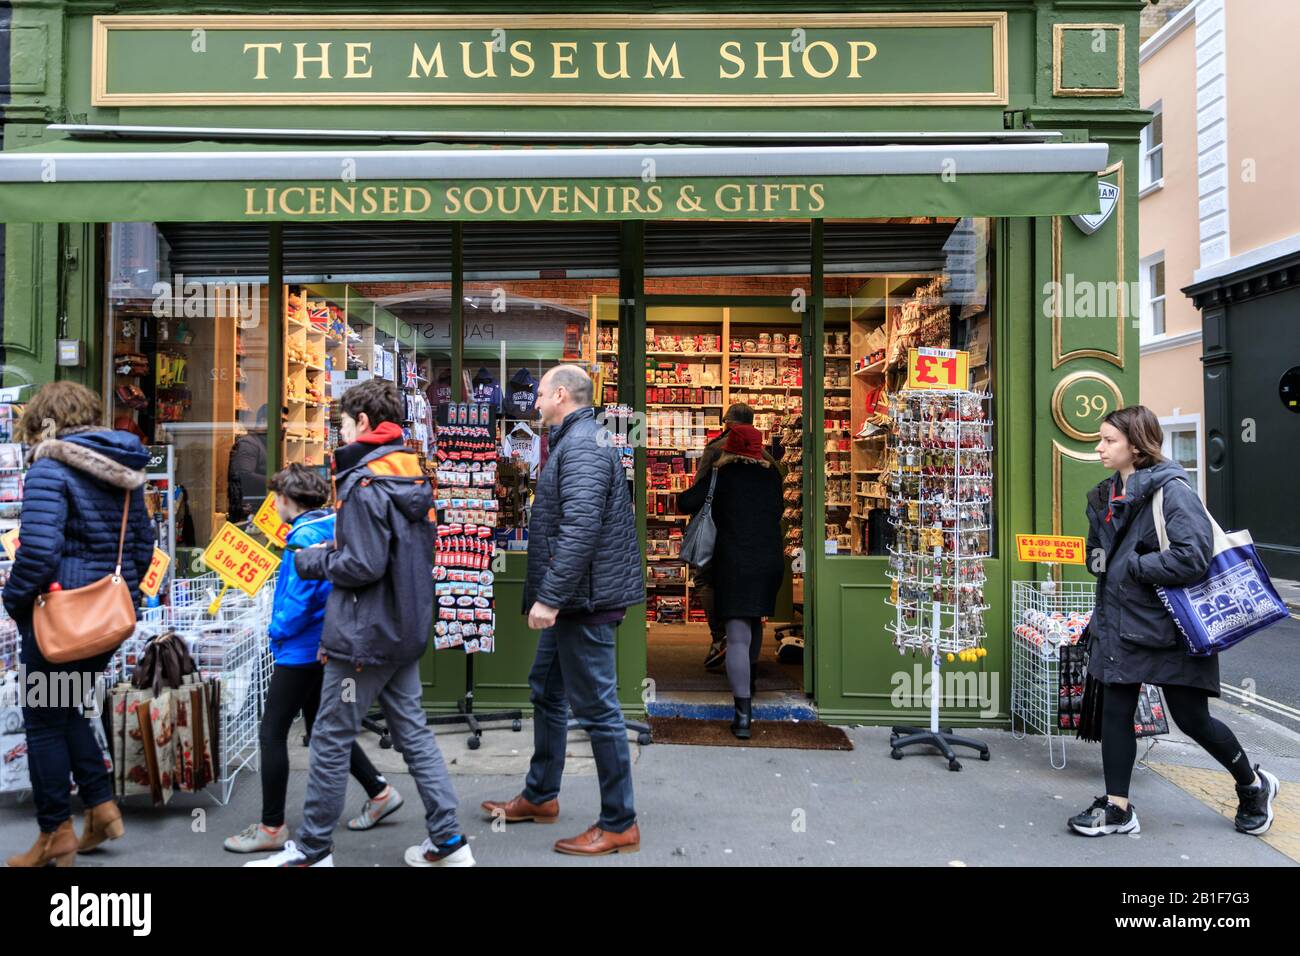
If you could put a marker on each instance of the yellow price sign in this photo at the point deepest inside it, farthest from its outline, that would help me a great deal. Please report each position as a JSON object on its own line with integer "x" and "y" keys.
{"x": 945, "y": 369}
{"x": 153, "y": 578}
{"x": 1058, "y": 549}
{"x": 267, "y": 520}
{"x": 9, "y": 540}
{"x": 239, "y": 560}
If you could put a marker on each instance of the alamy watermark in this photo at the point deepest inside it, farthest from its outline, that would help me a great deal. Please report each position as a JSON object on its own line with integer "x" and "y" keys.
{"x": 40, "y": 689}
{"x": 191, "y": 299}
{"x": 965, "y": 689}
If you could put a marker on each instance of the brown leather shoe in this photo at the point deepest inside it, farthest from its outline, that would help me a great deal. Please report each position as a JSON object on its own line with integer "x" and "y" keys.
{"x": 598, "y": 842}
{"x": 103, "y": 822}
{"x": 517, "y": 809}
{"x": 58, "y": 847}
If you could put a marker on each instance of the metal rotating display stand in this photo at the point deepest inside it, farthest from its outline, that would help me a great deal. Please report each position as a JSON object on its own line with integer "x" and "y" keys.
{"x": 941, "y": 507}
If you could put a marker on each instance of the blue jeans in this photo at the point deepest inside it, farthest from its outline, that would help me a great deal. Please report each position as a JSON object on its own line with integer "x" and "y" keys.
{"x": 60, "y": 743}
{"x": 334, "y": 733}
{"x": 575, "y": 664}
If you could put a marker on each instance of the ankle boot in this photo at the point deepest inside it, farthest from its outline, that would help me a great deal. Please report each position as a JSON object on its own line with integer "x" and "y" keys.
{"x": 103, "y": 822}
{"x": 740, "y": 724}
{"x": 58, "y": 847}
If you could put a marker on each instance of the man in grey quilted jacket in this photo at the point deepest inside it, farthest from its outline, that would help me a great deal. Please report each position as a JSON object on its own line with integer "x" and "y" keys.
{"x": 584, "y": 572}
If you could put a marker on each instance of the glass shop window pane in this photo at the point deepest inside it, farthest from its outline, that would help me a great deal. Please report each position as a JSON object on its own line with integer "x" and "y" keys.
{"x": 187, "y": 368}
{"x": 892, "y": 285}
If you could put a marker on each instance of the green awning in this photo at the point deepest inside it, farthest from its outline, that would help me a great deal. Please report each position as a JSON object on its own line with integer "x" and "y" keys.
{"x": 73, "y": 181}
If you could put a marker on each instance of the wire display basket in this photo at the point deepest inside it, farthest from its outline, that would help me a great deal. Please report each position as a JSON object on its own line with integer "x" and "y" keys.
{"x": 1047, "y": 622}
{"x": 229, "y": 646}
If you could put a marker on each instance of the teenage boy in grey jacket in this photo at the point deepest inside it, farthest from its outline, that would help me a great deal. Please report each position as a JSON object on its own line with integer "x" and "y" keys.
{"x": 376, "y": 629}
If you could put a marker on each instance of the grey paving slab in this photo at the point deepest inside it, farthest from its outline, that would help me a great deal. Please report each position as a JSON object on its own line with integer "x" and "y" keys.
{"x": 738, "y": 807}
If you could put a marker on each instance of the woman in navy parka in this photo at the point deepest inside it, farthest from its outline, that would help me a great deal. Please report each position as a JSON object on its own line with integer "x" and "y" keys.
{"x": 80, "y": 475}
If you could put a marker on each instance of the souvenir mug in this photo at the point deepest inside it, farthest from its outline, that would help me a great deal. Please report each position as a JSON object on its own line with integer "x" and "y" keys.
{"x": 764, "y": 342}
{"x": 792, "y": 343}
{"x": 778, "y": 342}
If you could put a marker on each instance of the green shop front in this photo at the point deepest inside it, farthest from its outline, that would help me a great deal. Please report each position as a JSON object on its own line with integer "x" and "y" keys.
{"x": 221, "y": 222}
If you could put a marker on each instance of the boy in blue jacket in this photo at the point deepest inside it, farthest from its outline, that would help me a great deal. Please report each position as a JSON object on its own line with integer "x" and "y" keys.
{"x": 297, "y": 617}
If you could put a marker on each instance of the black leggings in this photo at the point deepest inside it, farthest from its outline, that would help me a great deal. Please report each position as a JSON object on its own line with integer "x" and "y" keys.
{"x": 1190, "y": 709}
{"x": 296, "y": 689}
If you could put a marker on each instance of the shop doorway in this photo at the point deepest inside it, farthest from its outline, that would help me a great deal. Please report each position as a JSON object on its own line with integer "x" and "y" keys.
{"x": 705, "y": 358}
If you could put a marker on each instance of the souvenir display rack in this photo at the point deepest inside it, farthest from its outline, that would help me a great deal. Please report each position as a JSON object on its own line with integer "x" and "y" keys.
{"x": 1048, "y": 618}
{"x": 791, "y": 438}
{"x": 466, "y": 451}
{"x": 941, "y": 508}
{"x": 837, "y": 390}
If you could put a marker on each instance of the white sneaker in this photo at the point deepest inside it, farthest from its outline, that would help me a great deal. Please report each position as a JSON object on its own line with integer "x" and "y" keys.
{"x": 291, "y": 855}
{"x": 429, "y": 854}
{"x": 376, "y": 808}
{"x": 257, "y": 839}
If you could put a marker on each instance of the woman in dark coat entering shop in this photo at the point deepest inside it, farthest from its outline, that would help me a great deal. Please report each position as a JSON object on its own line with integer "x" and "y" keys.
{"x": 82, "y": 477}
{"x": 748, "y": 564}
{"x": 1132, "y": 638}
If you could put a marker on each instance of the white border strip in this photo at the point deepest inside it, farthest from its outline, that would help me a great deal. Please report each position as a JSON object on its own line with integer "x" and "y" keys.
{"x": 616, "y": 163}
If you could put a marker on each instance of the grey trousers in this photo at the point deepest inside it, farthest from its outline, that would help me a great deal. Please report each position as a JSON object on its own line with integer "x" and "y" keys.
{"x": 345, "y": 698}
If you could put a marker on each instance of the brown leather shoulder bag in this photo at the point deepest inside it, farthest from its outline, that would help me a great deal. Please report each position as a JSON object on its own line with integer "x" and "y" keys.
{"x": 86, "y": 622}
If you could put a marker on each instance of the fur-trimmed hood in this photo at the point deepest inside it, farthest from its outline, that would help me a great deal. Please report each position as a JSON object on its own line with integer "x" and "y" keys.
{"x": 729, "y": 458}
{"x": 114, "y": 457}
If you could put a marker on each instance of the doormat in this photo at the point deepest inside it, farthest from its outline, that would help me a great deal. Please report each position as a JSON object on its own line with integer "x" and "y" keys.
{"x": 803, "y": 735}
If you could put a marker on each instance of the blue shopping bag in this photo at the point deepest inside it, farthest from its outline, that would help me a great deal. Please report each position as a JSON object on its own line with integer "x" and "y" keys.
{"x": 1232, "y": 601}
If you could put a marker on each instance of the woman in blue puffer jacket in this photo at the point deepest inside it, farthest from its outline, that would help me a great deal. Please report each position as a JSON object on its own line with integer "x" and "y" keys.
{"x": 80, "y": 477}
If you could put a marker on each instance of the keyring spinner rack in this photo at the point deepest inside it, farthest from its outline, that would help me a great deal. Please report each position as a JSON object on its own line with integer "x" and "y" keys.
{"x": 941, "y": 508}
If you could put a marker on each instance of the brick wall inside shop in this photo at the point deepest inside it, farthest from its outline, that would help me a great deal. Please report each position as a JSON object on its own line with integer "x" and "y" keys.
{"x": 558, "y": 289}
{"x": 544, "y": 289}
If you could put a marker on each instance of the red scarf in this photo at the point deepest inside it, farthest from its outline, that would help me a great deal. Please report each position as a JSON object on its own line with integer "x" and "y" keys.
{"x": 1114, "y": 484}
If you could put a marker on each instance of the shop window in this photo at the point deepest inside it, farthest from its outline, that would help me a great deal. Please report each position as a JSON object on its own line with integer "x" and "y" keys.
{"x": 1183, "y": 444}
{"x": 726, "y": 304}
{"x": 891, "y": 285}
{"x": 1152, "y": 169}
{"x": 1153, "y": 296}
{"x": 536, "y": 296}
{"x": 186, "y": 352}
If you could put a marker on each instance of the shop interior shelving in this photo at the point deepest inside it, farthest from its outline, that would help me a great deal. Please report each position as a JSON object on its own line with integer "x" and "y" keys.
{"x": 336, "y": 337}
{"x": 868, "y": 317}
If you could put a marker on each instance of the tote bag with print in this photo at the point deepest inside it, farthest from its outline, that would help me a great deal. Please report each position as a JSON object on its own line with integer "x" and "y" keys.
{"x": 1233, "y": 600}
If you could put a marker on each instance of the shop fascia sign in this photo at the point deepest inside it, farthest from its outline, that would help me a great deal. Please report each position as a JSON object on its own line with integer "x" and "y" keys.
{"x": 957, "y": 58}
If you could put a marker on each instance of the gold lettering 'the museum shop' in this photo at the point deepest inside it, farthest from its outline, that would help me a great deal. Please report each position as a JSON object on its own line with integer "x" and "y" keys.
{"x": 605, "y": 74}
{"x": 419, "y": 63}
{"x": 653, "y": 60}
{"x": 564, "y": 59}
{"x": 819, "y": 59}
{"x": 261, "y": 49}
{"x": 520, "y": 50}
{"x": 323, "y": 58}
{"x": 489, "y": 68}
{"x": 357, "y": 58}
